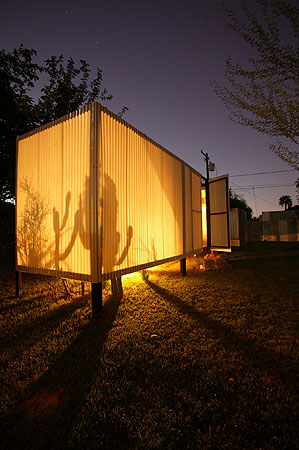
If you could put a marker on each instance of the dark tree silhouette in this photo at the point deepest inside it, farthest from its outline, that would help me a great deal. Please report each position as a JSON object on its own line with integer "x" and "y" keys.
{"x": 237, "y": 201}
{"x": 264, "y": 94}
{"x": 68, "y": 87}
{"x": 286, "y": 201}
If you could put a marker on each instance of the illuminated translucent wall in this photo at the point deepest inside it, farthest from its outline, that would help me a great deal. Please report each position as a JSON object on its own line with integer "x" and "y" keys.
{"x": 196, "y": 211}
{"x": 53, "y": 231}
{"x": 204, "y": 216}
{"x": 96, "y": 198}
{"x": 146, "y": 212}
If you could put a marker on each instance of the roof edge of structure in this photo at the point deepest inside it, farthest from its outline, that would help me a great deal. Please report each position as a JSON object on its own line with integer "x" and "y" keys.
{"x": 110, "y": 113}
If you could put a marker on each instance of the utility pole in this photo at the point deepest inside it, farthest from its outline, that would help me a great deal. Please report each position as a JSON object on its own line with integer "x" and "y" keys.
{"x": 207, "y": 160}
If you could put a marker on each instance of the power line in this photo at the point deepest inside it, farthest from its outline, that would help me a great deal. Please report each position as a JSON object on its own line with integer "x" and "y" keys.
{"x": 265, "y": 186}
{"x": 212, "y": 149}
{"x": 261, "y": 144}
{"x": 260, "y": 198}
{"x": 262, "y": 173}
{"x": 217, "y": 155}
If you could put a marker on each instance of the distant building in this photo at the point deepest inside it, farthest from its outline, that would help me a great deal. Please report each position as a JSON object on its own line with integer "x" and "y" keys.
{"x": 275, "y": 226}
{"x": 280, "y": 226}
{"x": 238, "y": 227}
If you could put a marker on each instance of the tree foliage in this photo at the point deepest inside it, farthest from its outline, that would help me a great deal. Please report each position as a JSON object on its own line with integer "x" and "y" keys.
{"x": 286, "y": 201}
{"x": 237, "y": 201}
{"x": 264, "y": 95}
{"x": 68, "y": 87}
{"x": 18, "y": 73}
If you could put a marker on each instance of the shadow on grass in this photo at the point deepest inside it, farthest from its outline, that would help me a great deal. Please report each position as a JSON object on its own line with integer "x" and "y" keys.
{"x": 276, "y": 364}
{"x": 44, "y": 416}
{"x": 22, "y": 303}
{"x": 24, "y": 335}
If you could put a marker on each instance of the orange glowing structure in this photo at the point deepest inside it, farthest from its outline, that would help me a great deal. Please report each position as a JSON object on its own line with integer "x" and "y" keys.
{"x": 97, "y": 199}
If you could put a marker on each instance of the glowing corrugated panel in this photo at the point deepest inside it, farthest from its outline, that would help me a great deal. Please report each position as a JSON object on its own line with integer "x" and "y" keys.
{"x": 196, "y": 212}
{"x": 96, "y": 198}
{"x": 141, "y": 199}
{"x": 53, "y": 199}
{"x": 188, "y": 210}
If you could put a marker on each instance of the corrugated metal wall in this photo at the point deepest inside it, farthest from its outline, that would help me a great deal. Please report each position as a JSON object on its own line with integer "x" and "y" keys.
{"x": 141, "y": 199}
{"x": 196, "y": 212}
{"x": 53, "y": 199}
{"x": 96, "y": 198}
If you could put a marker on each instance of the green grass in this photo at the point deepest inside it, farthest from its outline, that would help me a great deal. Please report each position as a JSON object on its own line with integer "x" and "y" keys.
{"x": 207, "y": 361}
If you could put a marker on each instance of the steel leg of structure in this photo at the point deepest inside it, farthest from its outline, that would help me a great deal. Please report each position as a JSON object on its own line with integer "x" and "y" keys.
{"x": 96, "y": 299}
{"x": 18, "y": 284}
{"x": 183, "y": 266}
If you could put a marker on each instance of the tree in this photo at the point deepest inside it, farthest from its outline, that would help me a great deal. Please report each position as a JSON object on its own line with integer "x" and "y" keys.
{"x": 237, "y": 201}
{"x": 265, "y": 95}
{"x": 68, "y": 87}
{"x": 286, "y": 201}
{"x": 297, "y": 188}
{"x": 18, "y": 73}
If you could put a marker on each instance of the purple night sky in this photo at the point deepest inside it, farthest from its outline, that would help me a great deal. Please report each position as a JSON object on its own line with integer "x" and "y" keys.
{"x": 158, "y": 58}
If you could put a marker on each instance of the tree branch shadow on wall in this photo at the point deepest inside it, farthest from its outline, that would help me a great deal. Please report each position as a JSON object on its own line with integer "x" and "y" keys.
{"x": 32, "y": 237}
{"x": 39, "y": 247}
{"x": 47, "y": 411}
{"x": 259, "y": 356}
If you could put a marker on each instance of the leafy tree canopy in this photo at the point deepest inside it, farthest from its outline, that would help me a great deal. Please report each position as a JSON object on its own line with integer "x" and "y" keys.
{"x": 68, "y": 87}
{"x": 264, "y": 95}
{"x": 238, "y": 201}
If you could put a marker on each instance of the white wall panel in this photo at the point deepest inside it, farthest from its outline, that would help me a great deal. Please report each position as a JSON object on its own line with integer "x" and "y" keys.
{"x": 219, "y": 213}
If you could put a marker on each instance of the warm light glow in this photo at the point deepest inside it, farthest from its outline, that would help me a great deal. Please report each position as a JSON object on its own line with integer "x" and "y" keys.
{"x": 124, "y": 205}
{"x": 53, "y": 190}
{"x": 204, "y": 217}
{"x": 132, "y": 276}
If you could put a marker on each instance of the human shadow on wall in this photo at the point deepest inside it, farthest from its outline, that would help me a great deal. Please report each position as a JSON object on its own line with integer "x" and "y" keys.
{"x": 110, "y": 236}
{"x": 81, "y": 226}
{"x": 260, "y": 357}
{"x": 45, "y": 415}
{"x": 36, "y": 248}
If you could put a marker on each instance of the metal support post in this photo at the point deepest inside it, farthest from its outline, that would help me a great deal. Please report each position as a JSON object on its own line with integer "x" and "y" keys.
{"x": 207, "y": 159}
{"x": 96, "y": 299}
{"x": 116, "y": 287}
{"x": 183, "y": 267}
{"x": 18, "y": 283}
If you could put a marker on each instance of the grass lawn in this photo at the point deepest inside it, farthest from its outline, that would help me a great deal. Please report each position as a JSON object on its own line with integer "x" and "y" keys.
{"x": 209, "y": 361}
